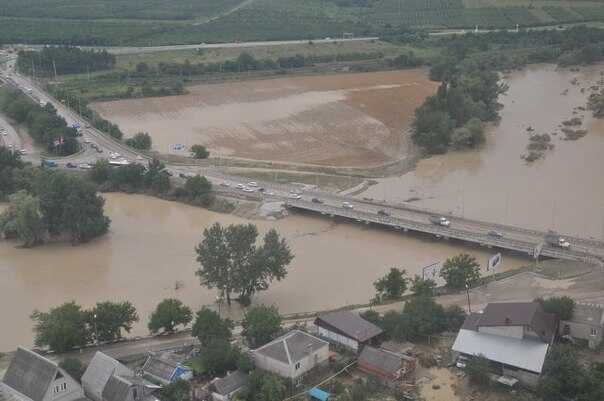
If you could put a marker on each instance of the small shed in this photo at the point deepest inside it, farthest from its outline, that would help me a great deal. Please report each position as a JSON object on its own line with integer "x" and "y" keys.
{"x": 318, "y": 394}
{"x": 388, "y": 366}
{"x": 223, "y": 389}
{"x": 347, "y": 328}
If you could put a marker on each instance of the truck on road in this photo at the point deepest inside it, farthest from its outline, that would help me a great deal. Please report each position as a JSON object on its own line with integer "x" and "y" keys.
{"x": 440, "y": 221}
{"x": 554, "y": 239}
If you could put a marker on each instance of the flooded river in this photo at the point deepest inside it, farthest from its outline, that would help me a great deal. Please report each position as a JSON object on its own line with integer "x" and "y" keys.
{"x": 563, "y": 191}
{"x": 151, "y": 247}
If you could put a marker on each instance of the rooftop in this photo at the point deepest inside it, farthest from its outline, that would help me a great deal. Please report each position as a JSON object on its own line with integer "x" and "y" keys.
{"x": 384, "y": 360}
{"x": 588, "y": 314}
{"x": 30, "y": 374}
{"x": 230, "y": 383}
{"x": 525, "y": 353}
{"x": 159, "y": 367}
{"x": 350, "y": 324}
{"x": 292, "y": 347}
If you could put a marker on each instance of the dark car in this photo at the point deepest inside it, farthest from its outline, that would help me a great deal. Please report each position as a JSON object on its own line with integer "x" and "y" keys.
{"x": 316, "y": 200}
{"x": 71, "y": 165}
{"x": 383, "y": 213}
{"x": 260, "y": 189}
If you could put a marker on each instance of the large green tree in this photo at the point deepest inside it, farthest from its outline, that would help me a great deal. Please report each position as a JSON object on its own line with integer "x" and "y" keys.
{"x": 210, "y": 326}
{"x": 24, "y": 219}
{"x": 108, "y": 319}
{"x": 200, "y": 152}
{"x": 141, "y": 141}
{"x": 61, "y": 328}
{"x": 180, "y": 390}
{"x": 74, "y": 367}
{"x": 460, "y": 270}
{"x": 232, "y": 262}
{"x": 261, "y": 324}
{"x": 393, "y": 285}
{"x": 9, "y": 162}
{"x": 264, "y": 386}
{"x": 71, "y": 205}
{"x": 562, "y": 306}
{"x": 199, "y": 190}
{"x": 168, "y": 314}
{"x": 477, "y": 369}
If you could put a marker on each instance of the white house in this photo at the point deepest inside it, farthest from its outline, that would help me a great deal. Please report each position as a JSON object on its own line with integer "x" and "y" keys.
{"x": 292, "y": 354}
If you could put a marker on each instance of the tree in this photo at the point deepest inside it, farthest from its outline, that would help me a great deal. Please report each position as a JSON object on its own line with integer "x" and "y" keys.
{"x": 561, "y": 375}
{"x": 423, "y": 287}
{"x": 460, "y": 271}
{"x": 371, "y": 316}
{"x": 9, "y": 163}
{"x": 562, "y": 306}
{"x": 74, "y": 367}
{"x": 455, "y": 317}
{"x": 423, "y": 317}
{"x": 180, "y": 390}
{"x": 218, "y": 357}
{"x": 109, "y": 319}
{"x": 199, "y": 190}
{"x": 200, "y": 152}
{"x": 156, "y": 178}
{"x": 70, "y": 204}
{"x": 392, "y": 285}
{"x": 210, "y": 326}
{"x": 264, "y": 386}
{"x": 24, "y": 218}
{"x": 261, "y": 324}
{"x": 141, "y": 141}
{"x": 230, "y": 260}
{"x": 168, "y": 314}
{"x": 62, "y": 328}
{"x": 477, "y": 368}
{"x": 100, "y": 172}
{"x": 469, "y": 136}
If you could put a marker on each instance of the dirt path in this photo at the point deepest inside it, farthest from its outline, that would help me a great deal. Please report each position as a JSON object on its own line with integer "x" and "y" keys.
{"x": 224, "y": 14}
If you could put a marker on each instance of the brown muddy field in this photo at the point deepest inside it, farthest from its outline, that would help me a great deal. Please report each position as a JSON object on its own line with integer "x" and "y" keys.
{"x": 343, "y": 120}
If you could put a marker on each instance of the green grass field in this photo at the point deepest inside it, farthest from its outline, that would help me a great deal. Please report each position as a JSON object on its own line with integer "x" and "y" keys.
{"x": 161, "y": 22}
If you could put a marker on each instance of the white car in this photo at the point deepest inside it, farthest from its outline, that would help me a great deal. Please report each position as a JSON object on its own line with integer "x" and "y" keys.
{"x": 347, "y": 205}
{"x": 270, "y": 193}
{"x": 248, "y": 189}
{"x": 85, "y": 166}
{"x": 139, "y": 157}
{"x": 295, "y": 196}
{"x": 23, "y": 151}
{"x": 225, "y": 184}
{"x": 252, "y": 184}
{"x": 240, "y": 186}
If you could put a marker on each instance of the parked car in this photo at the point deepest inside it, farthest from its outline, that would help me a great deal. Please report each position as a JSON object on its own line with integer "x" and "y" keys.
{"x": 252, "y": 184}
{"x": 85, "y": 166}
{"x": 71, "y": 165}
{"x": 347, "y": 205}
{"x": 225, "y": 184}
{"x": 440, "y": 221}
{"x": 295, "y": 196}
{"x": 382, "y": 212}
{"x": 316, "y": 200}
{"x": 240, "y": 186}
{"x": 248, "y": 189}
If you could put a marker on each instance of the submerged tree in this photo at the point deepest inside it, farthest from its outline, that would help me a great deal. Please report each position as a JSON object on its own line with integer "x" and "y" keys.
{"x": 231, "y": 261}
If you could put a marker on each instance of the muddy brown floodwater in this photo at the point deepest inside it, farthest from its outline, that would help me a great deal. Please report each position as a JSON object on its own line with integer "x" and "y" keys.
{"x": 563, "y": 191}
{"x": 340, "y": 119}
{"x": 151, "y": 247}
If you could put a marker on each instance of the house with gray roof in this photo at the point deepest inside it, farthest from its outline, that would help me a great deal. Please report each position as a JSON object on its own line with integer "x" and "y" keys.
{"x": 347, "y": 328}
{"x": 514, "y": 336}
{"x": 586, "y": 324}
{"x": 31, "y": 377}
{"x": 292, "y": 354}
{"x": 106, "y": 379}
{"x": 224, "y": 388}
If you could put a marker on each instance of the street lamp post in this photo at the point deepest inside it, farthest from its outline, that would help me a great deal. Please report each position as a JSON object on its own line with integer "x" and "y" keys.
{"x": 468, "y": 295}
{"x": 96, "y": 333}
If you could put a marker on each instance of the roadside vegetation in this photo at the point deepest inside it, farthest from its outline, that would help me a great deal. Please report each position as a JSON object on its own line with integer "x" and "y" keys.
{"x": 54, "y": 60}
{"x": 43, "y": 124}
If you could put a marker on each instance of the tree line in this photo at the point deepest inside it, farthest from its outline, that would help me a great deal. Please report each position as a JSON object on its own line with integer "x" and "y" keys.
{"x": 63, "y": 60}
{"x": 43, "y": 124}
{"x": 47, "y": 204}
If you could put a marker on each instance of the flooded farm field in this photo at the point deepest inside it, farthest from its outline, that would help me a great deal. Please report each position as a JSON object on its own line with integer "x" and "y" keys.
{"x": 150, "y": 248}
{"x": 563, "y": 191}
{"x": 342, "y": 120}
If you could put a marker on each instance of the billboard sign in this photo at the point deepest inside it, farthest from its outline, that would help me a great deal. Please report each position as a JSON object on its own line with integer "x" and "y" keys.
{"x": 494, "y": 261}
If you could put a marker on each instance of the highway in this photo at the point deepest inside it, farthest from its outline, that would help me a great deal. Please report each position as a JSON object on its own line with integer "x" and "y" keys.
{"x": 396, "y": 216}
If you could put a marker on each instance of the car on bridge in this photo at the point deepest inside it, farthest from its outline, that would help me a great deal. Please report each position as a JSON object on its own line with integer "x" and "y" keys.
{"x": 347, "y": 205}
{"x": 382, "y": 212}
{"x": 316, "y": 200}
{"x": 440, "y": 221}
{"x": 495, "y": 234}
{"x": 295, "y": 196}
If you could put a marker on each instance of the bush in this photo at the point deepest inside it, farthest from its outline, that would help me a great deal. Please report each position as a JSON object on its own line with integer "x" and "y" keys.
{"x": 74, "y": 367}
{"x": 561, "y": 306}
{"x": 477, "y": 369}
{"x": 200, "y": 152}
{"x": 141, "y": 141}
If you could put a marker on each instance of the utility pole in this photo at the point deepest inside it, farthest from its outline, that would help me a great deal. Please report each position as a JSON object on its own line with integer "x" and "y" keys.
{"x": 54, "y": 67}
{"x": 468, "y": 294}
